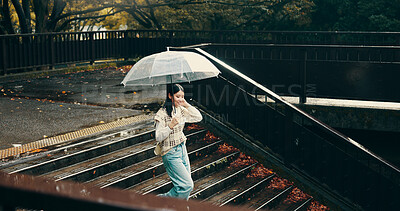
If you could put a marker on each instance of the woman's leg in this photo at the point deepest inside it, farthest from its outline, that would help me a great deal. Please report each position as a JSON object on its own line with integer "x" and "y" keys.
{"x": 186, "y": 161}
{"x": 177, "y": 165}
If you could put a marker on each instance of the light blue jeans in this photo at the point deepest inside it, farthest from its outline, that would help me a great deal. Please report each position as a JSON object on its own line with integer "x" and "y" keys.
{"x": 177, "y": 165}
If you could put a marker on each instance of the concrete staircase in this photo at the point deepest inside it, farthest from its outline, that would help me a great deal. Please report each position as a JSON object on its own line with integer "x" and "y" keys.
{"x": 222, "y": 174}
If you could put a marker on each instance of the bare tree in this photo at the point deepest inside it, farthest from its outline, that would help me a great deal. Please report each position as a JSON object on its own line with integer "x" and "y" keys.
{"x": 60, "y": 15}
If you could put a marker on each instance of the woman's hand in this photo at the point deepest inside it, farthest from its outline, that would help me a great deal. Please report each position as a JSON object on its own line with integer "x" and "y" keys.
{"x": 173, "y": 122}
{"x": 184, "y": 103}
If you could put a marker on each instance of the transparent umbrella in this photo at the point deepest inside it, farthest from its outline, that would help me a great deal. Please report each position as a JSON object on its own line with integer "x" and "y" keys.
{"x": 170, "y": 67}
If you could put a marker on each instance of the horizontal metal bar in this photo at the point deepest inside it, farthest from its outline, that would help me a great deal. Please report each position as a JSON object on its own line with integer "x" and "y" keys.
{"x": 223, "y": 181}
{"x": 30, "y": 192}
{"x": 304, "y": 204}
{"x": 275, "y": 198}
{"x": 248, "y": 190}
{"x": 212, "y": 31}
{"x": 302, "y": 46}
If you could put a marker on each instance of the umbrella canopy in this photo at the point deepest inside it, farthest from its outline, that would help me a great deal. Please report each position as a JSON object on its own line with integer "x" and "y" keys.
{"x": 170, "y": 67}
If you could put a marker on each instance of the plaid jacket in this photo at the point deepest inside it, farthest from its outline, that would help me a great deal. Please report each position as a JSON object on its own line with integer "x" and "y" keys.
{"x": 168, "y": 138}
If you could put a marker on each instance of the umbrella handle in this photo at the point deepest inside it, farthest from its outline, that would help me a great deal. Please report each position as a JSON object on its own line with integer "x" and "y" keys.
{"x": 170, "y": 91}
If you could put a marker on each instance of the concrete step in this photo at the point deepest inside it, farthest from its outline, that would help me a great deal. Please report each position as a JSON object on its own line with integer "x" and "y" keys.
{"x": 146, "y": 169}
{"x": 76, "y": 154}
{"x": 217, "y": 181}
{"x": 78, "y": 151}
{"x": 199, "y": 167}
{"x": 239, "y": 192}
{"x": 107, "y": 163}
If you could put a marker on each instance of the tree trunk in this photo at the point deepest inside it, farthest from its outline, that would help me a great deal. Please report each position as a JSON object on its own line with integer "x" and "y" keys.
{"x": 21, "y": 16}
{"x": 152, "y": 16}
{"x": 8, "y": 28}
{"x": 140, "y": 17}
{"x": 40, "y": 7}
{"x": 27, "y": 12}
{"x": 58, "y": 7}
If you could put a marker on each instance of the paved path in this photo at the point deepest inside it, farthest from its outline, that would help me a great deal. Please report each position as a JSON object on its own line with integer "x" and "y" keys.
{"x": 31, "y": 109}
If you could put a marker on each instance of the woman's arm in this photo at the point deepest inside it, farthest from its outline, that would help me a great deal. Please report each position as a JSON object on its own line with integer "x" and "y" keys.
{"x": 162, "y": 131}
{"x": 192, "y": 114}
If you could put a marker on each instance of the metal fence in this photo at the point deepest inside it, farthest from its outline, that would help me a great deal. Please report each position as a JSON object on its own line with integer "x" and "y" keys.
{"x": 29, "y": 51}
{"x": 299, "y": 140}
{"x": 322, "y": 71}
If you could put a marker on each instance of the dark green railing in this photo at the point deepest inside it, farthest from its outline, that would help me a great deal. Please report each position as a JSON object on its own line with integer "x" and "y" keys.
{"x": 30, "y": 51}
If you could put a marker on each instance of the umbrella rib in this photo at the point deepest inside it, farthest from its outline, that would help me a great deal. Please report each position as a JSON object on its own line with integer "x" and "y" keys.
{"x": 179, "y": 66}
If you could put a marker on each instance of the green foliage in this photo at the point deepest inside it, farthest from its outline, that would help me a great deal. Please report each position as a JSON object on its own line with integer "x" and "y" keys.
{"x": 25, "y": 16}
{"x": 208, "y": 15}
{"x": 356, "y": 15}
{"x": 380, "y": 15}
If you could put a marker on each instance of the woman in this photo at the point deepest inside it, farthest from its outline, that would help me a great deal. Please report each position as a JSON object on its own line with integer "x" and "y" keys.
{"x": 170, "y": 121}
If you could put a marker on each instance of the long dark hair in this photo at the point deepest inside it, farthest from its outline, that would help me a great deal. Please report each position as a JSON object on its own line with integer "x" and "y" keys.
{"x": 171, "y": 89}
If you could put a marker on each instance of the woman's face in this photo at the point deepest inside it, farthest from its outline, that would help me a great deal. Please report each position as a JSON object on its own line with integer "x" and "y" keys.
{"x": 179, "y": 98}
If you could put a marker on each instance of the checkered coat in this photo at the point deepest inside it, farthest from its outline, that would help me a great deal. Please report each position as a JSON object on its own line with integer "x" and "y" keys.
{"x": 166, "y": 137}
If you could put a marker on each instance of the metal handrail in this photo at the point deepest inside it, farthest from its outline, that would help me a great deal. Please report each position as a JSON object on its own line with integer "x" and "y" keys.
{"x": 299, "y": 56}
{"x": 280, "y": 100}
{"x": 298, "y": 45}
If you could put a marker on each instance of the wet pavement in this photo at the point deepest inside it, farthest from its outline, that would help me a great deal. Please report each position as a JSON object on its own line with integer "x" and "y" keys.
{"x": 35, "y": 108}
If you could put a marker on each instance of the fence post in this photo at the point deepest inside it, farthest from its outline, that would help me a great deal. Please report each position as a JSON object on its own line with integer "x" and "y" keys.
{"x": 125, "y": 45}
{"x": 92, "y": 53}
{"x": 303, "y": 78}
{"x": 288, "y": 138}
{"x": 52, "y": 52}
{"x": 334, "y": 38}
{"x": 4, "y": 56}
{"x": 397, "y": 39}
